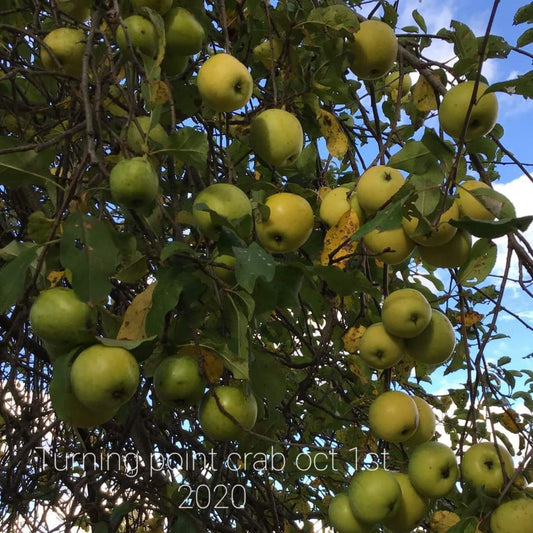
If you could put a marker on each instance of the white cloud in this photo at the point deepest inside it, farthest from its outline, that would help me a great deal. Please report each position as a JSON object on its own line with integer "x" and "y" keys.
{"x": 518, "y": 191}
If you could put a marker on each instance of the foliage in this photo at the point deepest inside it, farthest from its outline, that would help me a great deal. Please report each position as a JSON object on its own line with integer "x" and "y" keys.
{"x": 283, "y": 328}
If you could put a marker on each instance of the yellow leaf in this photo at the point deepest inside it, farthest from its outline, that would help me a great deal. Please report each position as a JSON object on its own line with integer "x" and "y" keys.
{"x": 56, "y": 276}
{"x": 357, "y": 367}
{"x": 470, "y": 318}
{"x": 133, "y": 324}
{"x": 424, "y": 96}
{"x": 336, "y": 139}
{"x": 352, "y": 337}
{"x": 338, "y": 246}
{"x": 442, "y": 521}
{"x": 209, "y": 360}
{"x": 511, "y": 421}
{"x": 159, "y": 92}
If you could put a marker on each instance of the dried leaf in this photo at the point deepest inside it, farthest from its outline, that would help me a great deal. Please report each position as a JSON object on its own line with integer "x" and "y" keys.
{"x": 352, "y": 337}
{"x": 511, "y": 421}
{"x": 338, "y": 246}
{"x": 470, "y": 318}
{"x": 133, "y": 324}
{"x": 336, "y": 139}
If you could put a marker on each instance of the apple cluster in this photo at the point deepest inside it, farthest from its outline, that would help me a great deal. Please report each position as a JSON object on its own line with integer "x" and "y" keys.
{"x": 101, "y": 378}
{"x": 225, "y": 412}
{"x": 401, "y": 500}
{"x": 289, "y": 223}
{"x": 409, "y": 327}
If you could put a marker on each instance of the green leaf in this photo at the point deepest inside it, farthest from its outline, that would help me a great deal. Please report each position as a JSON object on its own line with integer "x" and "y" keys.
{"x": 525, "y": 39}
{"x": 13, "y": 276}
{"x": 190, "y": 146}
{"x": 416, "y": 158}
{"x": 120, "y": 512}
{"x": 252, "y": 263}
{"x": 479, "y": 264}
{"x": 465, "y": 42}
{"x": 492, "y": 229}
{"x": 60, "y": 388}
{"x": 173, "y": 248}
{"x": 140, "y": 349}
{"x": 24, "y": 168}
{"x": 428, "y": 194}
{"x": 419, "y": 19}
{"x": 346, "y": 283}
{"x": 238, "y": 310}
{"x": 467, "y": 525}
{"x": 88, "y": 249}
{"x": 524, "y": 14}
{"x": 268, "y": 378}
{"x": 184, "y": 524}
{"x": 385, "y": 219}
{"x": 497, "y": 47}
{"x": 336, "y": 17}
{"x": 166, "y": 295}
{"x": 483, "y": 145}
{"x": 522, "y": 85}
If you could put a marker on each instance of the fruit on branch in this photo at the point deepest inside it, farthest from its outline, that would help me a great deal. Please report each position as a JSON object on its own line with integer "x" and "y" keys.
{"x": 78, "y": 415}
{"x": 150, "y": 137}
{"x": 436, "y": 343}
{"x": 481, "y": 466}
{"x": 440, "y": 230}
{"x": 104, "y": 377}
{"x": 224, "y": 83}
{"x": 379, "y": 349}
{"x": 225, "y": 200}
{"x": 161, "y": 6}
{"x": 185, "y": 36}
{"x": 390, "y": 246}
{"x": 134, "y": 183}
{"x": 454, "y": 107}
{"x": 68, "y": 46}
{"x": 335, "y": 203}
{"x": 405, "y": 313}
{"x": 374, "y": 495}
{"x": 514, "y": 516}
{"x": 267, "y": 53}
{"x": 232, "y": 400}
{"x": 374, "y": 48}
{"x": 433, "y": 469}
{"x": 141, "y": 33}
{"x": 178, "y": 381}
{"x": 469, "y": 205}
{"x": 376, "y": 186}
{"x": 225, "y": 274}
{"x": 342, "y": 518}
{"x": 411, "y": 509}
{"x": 452, "y": 254}
{"x": 289, "y": 224}
{"x": 59, "y": 317}
{"x": 276, "y": 136}
{"x": 393, "y": 416}
{"x": 426, "y": 423}
{"x": 392, "y": 84}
